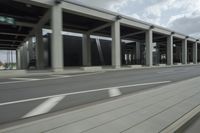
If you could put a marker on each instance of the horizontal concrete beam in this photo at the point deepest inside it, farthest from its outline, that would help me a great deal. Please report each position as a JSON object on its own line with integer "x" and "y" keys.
{"x": 13, "y": 34}
{"x": 75, "y": 26}
{"x": 8, "y": 48}
{"x": 83, "y": 11}
{"x": 99, "y": 28}
{"x": 134, "y": 24}
{"x": 8, "y": 45}
{"x": 155, "y": 38}
{"x": 5, "y": 40}
{"x": 191, "y": 39}
{"x": 179, "y": 36}
{"x": 161, "y": 31}
{"x": 103, "y": 15}
{"x": 24, "y": 24}
{"x": 40, "y": 3}
{"x": 132, "y": 34}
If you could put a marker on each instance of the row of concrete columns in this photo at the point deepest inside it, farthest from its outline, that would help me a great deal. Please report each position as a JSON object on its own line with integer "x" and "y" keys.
{"x": 57, "y": 45}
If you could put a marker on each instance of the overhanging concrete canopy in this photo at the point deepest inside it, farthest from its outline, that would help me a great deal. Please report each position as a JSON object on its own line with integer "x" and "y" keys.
{"x": 25, "y": 16}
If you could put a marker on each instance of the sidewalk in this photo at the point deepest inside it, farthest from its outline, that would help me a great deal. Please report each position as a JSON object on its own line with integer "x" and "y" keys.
{"x": 151, "y": 111}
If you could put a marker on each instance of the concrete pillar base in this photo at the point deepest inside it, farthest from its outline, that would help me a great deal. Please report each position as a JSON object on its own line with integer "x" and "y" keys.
{"x": 116, "y": 67}
{"x": 135, "y": 66}
{"x": 163, "y": 65}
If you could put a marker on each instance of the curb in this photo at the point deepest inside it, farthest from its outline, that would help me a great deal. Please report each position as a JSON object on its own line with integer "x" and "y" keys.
{"x": 180, "y": 123}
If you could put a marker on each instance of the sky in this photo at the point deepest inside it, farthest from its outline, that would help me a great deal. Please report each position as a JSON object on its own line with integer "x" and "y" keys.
{"x": 178, "y": 15}
{"x": 3, "y": 56}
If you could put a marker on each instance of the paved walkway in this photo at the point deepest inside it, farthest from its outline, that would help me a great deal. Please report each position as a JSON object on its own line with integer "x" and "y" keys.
{"x": 149, "y": 111}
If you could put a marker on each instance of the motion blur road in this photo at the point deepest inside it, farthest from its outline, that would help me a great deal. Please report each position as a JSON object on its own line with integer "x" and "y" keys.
{"x": 25, "y": 97}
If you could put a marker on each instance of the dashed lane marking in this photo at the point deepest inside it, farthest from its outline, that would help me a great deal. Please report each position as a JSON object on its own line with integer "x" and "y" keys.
{"x": 113, "y": 92}
{"x": 45, "y": 107}
{"x": 25, "y": 79}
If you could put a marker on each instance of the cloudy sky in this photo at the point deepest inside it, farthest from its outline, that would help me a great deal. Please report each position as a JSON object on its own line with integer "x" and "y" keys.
{"x": 178, "y": 15}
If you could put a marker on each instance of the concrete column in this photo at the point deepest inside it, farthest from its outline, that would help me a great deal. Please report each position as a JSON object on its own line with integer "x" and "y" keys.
{"x": 39, "y": 49}
{"x": 86, "y": 49}
{"x": 116, "y": 46}
{"x": 23, "y": 52}
{"x": 57, "y": 38}
{"x": 138, "y": 52}
{"x": 198, "y": 53}
{"x": 184, "y": 51}
{"x": 21, "y": 56}
{"x": 170, "y": 50}
{"x": 195, "y": 53}
{"x": 149, "y": 49}
{"x": 18, "y": 59}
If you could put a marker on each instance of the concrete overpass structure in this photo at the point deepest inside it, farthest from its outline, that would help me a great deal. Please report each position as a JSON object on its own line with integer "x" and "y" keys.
{"x": 149, "y": 41}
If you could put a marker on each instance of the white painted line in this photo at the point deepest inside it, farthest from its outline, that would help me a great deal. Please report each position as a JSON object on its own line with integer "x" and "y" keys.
{"x": 13, "y": 82}
{"x": 64, "y": 76}
{"x": 45, "y": 107}
{"x": 169, "y": 71}
{"x": 52, "y": 78}
{"x": 25, "y": 79}
{"x": 113, "y": 92}
{"x": 82, "y": 92}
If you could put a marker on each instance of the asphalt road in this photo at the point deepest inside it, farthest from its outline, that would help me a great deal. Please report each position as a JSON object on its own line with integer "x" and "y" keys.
{"x": 25, "y": 97}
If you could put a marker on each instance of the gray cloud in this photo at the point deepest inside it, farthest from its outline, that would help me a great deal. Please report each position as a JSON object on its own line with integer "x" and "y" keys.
{"x": 180, "y": 15}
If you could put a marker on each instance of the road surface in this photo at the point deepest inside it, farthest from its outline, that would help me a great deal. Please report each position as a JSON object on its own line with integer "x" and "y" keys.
{"x": 25, "y": 97}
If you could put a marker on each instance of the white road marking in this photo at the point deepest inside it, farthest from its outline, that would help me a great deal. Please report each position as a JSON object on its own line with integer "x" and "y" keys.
{"x": 82, "y": 92}
{"x": 169, "y": 71}
{"x": 25, "y": 79}
{"x": 45, "y": 107}
{"x": 51, "y": 78}
{"x": 64, "y": 76}
{"x": 113, "y": 92}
